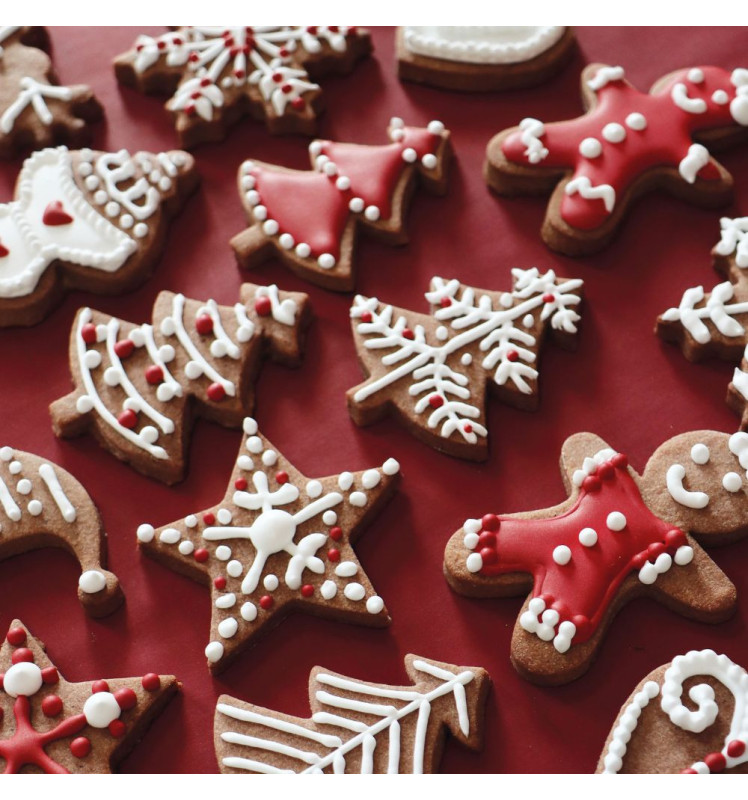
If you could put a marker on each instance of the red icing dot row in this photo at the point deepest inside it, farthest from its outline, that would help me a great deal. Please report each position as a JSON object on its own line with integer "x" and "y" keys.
{"x": 333, "y": 554}
{"x": 50, "y": 675}
{"x": 117, "y": 728}
{"x": 209, "y": 518}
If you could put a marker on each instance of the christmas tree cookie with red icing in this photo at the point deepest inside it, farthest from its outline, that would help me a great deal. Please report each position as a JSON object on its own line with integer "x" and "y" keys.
{"x": 42, "y": 505}
{"x": 310, "y": 219}
{"x": 619, "y": 536}
{"x": 217, "y": 74}
{"x": 277, "y": 542}
{"x": 50, "y": 725}
{"x": 139, "y": 388}
{"x": 659, "y": 731}
{"x": 627, "y": 143}
{"x": 357, "y": 727}
{"x": 432, "y": 371}
{"x": 35, "y": 111}
{"x": 86, "y": 220}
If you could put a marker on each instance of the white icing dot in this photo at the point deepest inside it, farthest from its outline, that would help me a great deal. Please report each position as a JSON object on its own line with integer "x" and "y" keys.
{"x": 346, "y": 569}
{"x": 193, "y": 370}
{"x": 24, "y": 486}
{"x": 91, "y": 182}
{"x": 166, "y": 351}
{"x": 101, "y": 709}
{"x": 732, "y": 482}
{"x": 169, "y": 536}
{"x": 354, "y": 591}
{"x": 700, "y": 454}
{"x": 720, "y": 97}
{"x": 562, "y": 555}
{"x": 15, "y": 467}
{"x": 588, "y": 537}
{"x": 234, "y": 568}
{"x": 228, "y": 627}
{"x": 370, "y": 478}
{"x": 213, "y": 652}
{"x": 165, "y": 392}
{"x": 269, "y": 458}
{"x": 92, "y": 581}
{"x": 466, "y": 359}
{"x": 326, "y": 261}
{"x": 35, "y": 508}
{"x": 356, "y": 205}
{"x": 186, "y": 547}
{"x": 140, "y": 230}
{"x": 328, "y": 590}
{"x": 683, "y": 555}
{"x": 100, "y": 197}
{"x": 145, "y": 533}
{"x": 391, "y": 467}
{"x": 616, "y": 521}
{"x": 345, "y": 480}
{"x": 84, "y": 404}
{"x": 636, "y": 121}
{"x": 245, "y": 463}
{"x": 614, "y": 132}
{"x": 190, "y": 520}
{"x": 286, "y": 241}
{"x": 23, "y": 679}
{"x": 224, "y": 516}
{"x": 343, "y": 183}
{"x": 248, "y": 611}
{"x": 590, "y": 147}
{"x": 226, "y": 601}
{"x": 168, "y": 327}
{"x": 442, "y": 333}
{"x": 374, "y": 604}
{"x": 271, "y": 582}
{"x": 270, "y": 227}
{"x": 429, "y": 161}
{"x": 474, "y": 562}
{"x": 357, "y": 499}
{"x": 528, "y": 321}
{"x": 111, "y": 209}
{"x": 409, "y": 155}
{"x": 372, "y": 213}
{"x": 329, "y": 517}
{"x": 260, "y": 213}
{"x": 223, "y": 552}
{"x": 149, "y": 434}
{"x": 249, "y": 425}
{"x": 254, "y": 444}
{"x": 6, "y": 453}
{"x": 92, "y": 359}
{"x": 470, "y": 541}
{"x": 314, "y": 489}
{"x": 126, "y": 221}
{"x": 696, "y": 75}
{"x": 303, "y": 250}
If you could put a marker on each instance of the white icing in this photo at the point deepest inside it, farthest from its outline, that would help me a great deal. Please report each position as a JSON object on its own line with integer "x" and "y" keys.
{"x": 92, "y": 581}
{"x": 734, "y": 239}
{"x": 101, "y": 709}
{"x": 700, "y": 454}
{"x": 33, "y": 94}
{"x": 696, "y": 159}
{"x": 49, "y": 476}
{"x": 674, "y": 481}
{"x": 604, "y": 76}
{"x": 584, "y": 187}
{"x": 532, "y": 129}
{"x": 22, "y": 680}
{"x": 681, "y": 98}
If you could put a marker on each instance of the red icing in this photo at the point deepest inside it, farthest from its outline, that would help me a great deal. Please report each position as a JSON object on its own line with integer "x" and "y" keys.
{"x": 219, "y": 583}
{"x": 209, "y": 518}
{"x": 263, "y": 306}
{"x": 50, "y": 675}
{"x": 201, "y": 555}
{"x": 99, "y": 686}
{"x": 307, "y": 590}
{"x": 88, "y": 333}
{"x": 80, "y": 747}
{"x": 216, "y": 392}
{"x": 581, "y": 590}
{"x": 117, "y": 728}
{"x": 16, "y": 636}
{"x": 124, "y": 347}
{"x": 151, "y": 682}
{"x": 336, "y": 533}
{"x": 52, "y": 705}
{"x": 154, "y": 375}
{"x": 55, "y": 214}
{"x": 333, "y": 554}
{"x": 3, "y": 250}
{"x": 22, "y": 654}
{"x": 663, "y": 143}
{"x": 128, "y": 418}
{"x": 126, "y": 698}
{"x": 736, "y": 748}
{"x": 240, "y": 484}
{"x": 436, "y": 401}
{"x": 266, "y": 602}
{"x": 281, "y": 477}
{"x": 204, "y": 324}
{"x": 716, "y": 762}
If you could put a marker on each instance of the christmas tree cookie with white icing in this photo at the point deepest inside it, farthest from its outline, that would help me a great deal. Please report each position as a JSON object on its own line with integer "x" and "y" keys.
{"x": 139, "y": 388}
{"x": 358, "y": 727}
{"x": 627, "y": 143}
{"x": 482, "y": 58}
{"x": 277, "y": 542}
{"x": 86, "y": 220}
{"x": 42, "y": 505}
{"x": 432, "y": 372}
{"x": 619, "y": 536}
{"x": 35, "y": 111}
{"x": 216, "y": 75}
{"x": 50, "y": 725}
{"x": 310, "y": 219}
{"x": 687, "y": 717}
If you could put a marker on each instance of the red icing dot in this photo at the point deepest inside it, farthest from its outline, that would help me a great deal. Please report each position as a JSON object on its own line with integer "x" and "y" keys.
{"x": 216, "y": 392}
{"x": 655, "y": 549}
{"x": 281, "y": 477}
{"x": 486, "y": 539}
{"x": 2, "y": 676}
{"x": 312, "y": 29}
{"x": 99, "y": 686}
{"x": 490, "y": 522}
{"x": 209, "y": 518}
{"x": 716, "y": 762}
{"x": 263, "y": 306}
{"x": 266, "y": 602}
{"x": 675, "y": 538}
{"x": 736, "y": 748}
{"x": 408, "y": 334}
{"x": 688, "y": 771}
{"x": 620, "y": 461}
{"x": 80, "y": 747}
{"x": 204, "y": 324}
{"x": 239, "y": 73}
{"x": 128, "y": 418}
{"x": 591, "y": 483}
{"x": 332, "y": 28}
{"x": 467, "y": 427}
{"x": 365, "y": 317}
{"x": 549, "y": 298}
{"x": 605, "y": 472}
{"x": 436, "y": 401}
{"x": 240, "y": 484}
{"x": 193, "y": 57}
{"x": 124, "y": 347}
{"x": 277, "y": 77}
{"x": 161, "y": 44}
{"x": 336, "y": 533}
{"x": 445, "y": 302}
{"x": 50, "y": 675}
{"x": 16, "y": 636}
{"x": 286, "y": 88}
{"x": 117, "y": 728}
{"x": 126, "y": 698}
{"x": 307, "y": 590}
{"x": 220, "y": 583}
{"x": 333, "y": 554}
{"x": 512, "y": 355}
{"x": 639, "y": 560}
{"x": 298, "y": 103}
{"x": 51, "y": 705}
{"x": 22, "y": 654}
{"x": 177, "y": 41}
{"x": 189, "y": 109}
{"x": 205, "y": 82}
{"x": 151, "y": 682}
{"x": 196, "y": 95}
{"x": 488, "y": 554}
{"x": 88, "y": 333}
{"x": 154, "y": 374}
{"x": 201, "y": 554}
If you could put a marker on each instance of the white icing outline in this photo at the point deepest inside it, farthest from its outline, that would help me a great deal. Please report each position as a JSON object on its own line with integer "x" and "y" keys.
{"x": 49, "y": 476}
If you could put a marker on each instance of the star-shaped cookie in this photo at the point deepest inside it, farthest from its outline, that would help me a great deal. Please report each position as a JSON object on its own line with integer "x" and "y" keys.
{"x": 276, "y": 542}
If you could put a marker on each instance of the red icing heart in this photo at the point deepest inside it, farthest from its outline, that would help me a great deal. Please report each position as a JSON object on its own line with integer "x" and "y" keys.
{"x": 3, "y": 250}
{"x": 55, "y": 214}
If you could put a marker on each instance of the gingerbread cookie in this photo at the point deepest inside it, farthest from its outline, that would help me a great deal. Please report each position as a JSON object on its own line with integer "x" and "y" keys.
{"x": 619, "y": 536}
{"x": 45, "y": 506}
{"x": 626, "y": 144}
{"x": 85, "y": 220}
{"x": 276, "y": 543}
{"x": 216, "y": 75}
{"x": 35, "y": 111}
{"x": 432, "y": 371}
{"x": 657, "y": 732}
{"x": 310, "y": 218}
{"x": 50, "y": 725}
{"x": 139, "y": 388}
{"x": 358, "y": 727}
{"x": 482, "y": 58}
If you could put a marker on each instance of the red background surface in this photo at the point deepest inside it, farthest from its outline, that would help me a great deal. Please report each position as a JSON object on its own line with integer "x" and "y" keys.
{"x": 622, "y": 383}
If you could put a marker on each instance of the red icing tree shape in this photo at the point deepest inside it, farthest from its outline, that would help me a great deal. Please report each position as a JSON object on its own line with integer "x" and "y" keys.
{"x": 34, "y": 110}
{"x": 310, "y": 218}
{"x": 277, "y": 542}
{"x": 42, "y": 505}
{"x": 432, "y": 371}
{"x": 218, "y": 74}
{"x": 40, "y": 712}
{"x": 134, "y": 382}
{"x": 617, "y": 536}
{"x": 357, "y": 727}
{"x": 628, "y": 142}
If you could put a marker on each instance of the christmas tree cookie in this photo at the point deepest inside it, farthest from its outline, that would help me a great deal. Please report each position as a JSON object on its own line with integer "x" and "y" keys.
{"x": 139, "y": 388}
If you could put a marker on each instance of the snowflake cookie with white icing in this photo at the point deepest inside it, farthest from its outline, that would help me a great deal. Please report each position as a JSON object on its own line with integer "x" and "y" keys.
{"x": 50, "y": 725}
{"x": 619, "y": 536}
{"x": 138, "y": 388}
{"x": 87, "y": 220}
{"x": 35, "y": 111}
{"x": 433, "y": 372}
{"x": 216, "y": 75}
{"x": 626, "y": 144}
{"x": 482, "y": 58}
{"x": 357, "y": 727}
{"x": 277, "y": 542}
{"x": 688, "y": 717}
{"x": 42, "y": 505}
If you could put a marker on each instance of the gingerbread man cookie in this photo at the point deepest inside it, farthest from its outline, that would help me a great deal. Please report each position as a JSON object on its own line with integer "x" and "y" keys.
{"x": 216, "y": 75}
{"x": 50, "y": 725}
{"x": 140, "y": 387}
{"x": 42, "y": 505}
{"x": 626, "y": 144}
{"x": 276, "y": 543}
{"x": 617, "y": 537}
{"x": 432, "y": 371}
{"x": 85, "y": 220}
{"x": 357, "y": 727}
{"x": 310, "y": 218}
{"x": 35, "y": 111}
